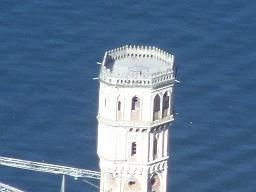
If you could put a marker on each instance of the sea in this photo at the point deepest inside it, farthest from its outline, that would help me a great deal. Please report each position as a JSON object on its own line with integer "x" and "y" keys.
{"x": 49, "y": 100}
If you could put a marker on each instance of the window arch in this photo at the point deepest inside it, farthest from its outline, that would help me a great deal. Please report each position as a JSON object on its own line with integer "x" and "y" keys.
{"x": 166, "y": 104}
{"x": 155, "y": 183}
{"x": 156, "y": 108}
{"x": 135, "y": 108}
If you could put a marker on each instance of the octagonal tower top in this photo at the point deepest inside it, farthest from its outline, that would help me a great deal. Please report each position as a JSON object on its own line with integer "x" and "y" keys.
{"x": 137, "y": 66}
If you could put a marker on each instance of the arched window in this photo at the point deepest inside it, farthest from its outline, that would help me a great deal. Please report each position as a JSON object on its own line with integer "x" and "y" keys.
{"x": 119, "y": 106}
{"x": 133, "y": 149}
{"x": 135, "y": 109}
{"x": 132, "y": 184}
{"x": 155, "y": 149}
{"x": 135, "y": 103}
{"x": 156, "y": 108}
{"x": 119, "y": 110}
{"x": 166, "y": 105}
{"x": 155, "y": 183}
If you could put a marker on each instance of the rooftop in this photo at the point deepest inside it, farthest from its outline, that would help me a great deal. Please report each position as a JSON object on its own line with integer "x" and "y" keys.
{"x": 146, "y": 60}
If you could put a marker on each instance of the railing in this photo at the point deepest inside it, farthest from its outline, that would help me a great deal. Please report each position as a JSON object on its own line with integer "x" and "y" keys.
{"x": 8, "y": 188}
{"x": 139, "y": 124}
{"x": 139, "y": 51}
{"x": 134, "y": 79}
{"x": 49, "y": 168}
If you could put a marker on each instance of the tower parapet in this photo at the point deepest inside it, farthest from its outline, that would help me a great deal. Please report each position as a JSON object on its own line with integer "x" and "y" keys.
{"x": 137, "y": 66}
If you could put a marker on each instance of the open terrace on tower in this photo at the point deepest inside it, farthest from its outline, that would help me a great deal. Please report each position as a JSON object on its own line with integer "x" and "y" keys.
{"x": 138, "y": 60}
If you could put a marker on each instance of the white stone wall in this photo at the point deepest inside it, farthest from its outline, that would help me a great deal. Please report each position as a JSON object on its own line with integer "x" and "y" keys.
{"x": 110, "y": 95}
{"x": 114, "y": 144}
{"x": 115, "y": 138}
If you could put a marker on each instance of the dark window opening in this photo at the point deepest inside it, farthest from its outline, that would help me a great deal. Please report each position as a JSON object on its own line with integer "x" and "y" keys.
{"x": 155, "y": 148}
{"x": 165, "y": 101}
{"x": 156, "y": 108}
{"x": 166, "y": 105}
{"x": 134, "y": 149}
{"x": 153, "y": 181}
{"x": 131, "y": 183}
{"x": 135, "y": 103}
{"x": 119, "y": 106}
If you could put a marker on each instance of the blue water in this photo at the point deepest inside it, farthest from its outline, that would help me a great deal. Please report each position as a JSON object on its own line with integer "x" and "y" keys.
{"x": 48, "y": 100}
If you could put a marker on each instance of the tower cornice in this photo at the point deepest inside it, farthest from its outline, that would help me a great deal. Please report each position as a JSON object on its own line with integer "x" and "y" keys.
{"x": 133, "y": 124}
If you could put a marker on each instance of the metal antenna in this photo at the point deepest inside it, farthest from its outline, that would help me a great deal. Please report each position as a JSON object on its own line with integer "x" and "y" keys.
{"x": 62, "y": 189}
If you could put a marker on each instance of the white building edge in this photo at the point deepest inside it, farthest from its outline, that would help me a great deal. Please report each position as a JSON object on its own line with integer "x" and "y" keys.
{"x": 135, "y": 111}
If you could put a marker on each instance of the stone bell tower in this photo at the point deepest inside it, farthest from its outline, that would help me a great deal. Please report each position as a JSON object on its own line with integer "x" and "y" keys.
{"x": 135, "y": 111}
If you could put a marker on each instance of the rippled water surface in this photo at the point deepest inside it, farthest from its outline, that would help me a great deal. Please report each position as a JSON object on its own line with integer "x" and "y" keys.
{"x": 48, "y": 100}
